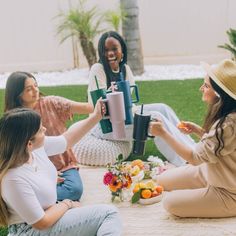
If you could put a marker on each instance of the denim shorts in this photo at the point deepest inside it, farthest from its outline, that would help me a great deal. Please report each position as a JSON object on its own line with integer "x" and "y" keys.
{"x": 72, "y": 187}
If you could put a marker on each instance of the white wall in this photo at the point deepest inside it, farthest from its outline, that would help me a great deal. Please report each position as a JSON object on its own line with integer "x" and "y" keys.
{"x": 180, "y": 31}
{"x": 185, "y": 31}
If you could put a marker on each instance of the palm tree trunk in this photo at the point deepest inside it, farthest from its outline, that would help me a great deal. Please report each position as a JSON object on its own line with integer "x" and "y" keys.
{"x": 131, "y": 34}
{"x": 88, "y": 50}
{"x": 75, "y": 52}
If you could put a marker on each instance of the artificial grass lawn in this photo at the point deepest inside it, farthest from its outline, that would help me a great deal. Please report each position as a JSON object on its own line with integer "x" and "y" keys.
{"x": 183, "y": 96}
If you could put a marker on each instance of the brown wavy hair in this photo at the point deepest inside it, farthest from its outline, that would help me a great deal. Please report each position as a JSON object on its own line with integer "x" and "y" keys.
{"x": 217, "y": 112}
{"x": 17, "y": 127}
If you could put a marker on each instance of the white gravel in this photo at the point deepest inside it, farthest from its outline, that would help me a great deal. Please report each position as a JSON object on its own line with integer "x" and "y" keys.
{"x": 80, "y": 76}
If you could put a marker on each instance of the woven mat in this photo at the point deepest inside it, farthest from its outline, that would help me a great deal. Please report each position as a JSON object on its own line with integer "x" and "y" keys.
{"x": 150, "y": 219}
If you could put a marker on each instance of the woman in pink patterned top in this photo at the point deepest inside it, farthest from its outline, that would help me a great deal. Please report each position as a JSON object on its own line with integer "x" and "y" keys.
{"x": 22, "y": 91}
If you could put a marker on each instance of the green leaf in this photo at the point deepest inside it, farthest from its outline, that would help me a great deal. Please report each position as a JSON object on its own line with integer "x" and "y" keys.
{"x": 120, "y": 157}
{"x": 229, "y": 48}
{"x": 232, "y": 38}
{"x": 136, "y": 197}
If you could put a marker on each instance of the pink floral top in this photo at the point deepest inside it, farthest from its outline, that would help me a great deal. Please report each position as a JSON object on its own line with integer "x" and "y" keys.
{"x": 55, "y": 111}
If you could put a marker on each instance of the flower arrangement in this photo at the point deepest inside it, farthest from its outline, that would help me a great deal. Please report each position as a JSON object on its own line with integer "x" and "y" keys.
{"x": 118, "y": 178}
{"x": 153, "y": 167}
{"x": 121, "y": 175}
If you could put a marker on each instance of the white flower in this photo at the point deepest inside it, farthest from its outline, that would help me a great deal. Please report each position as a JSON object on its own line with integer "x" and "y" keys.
{"x": 155, "y": 171}
{"x": 115, "y": 172}
{"x": 156, "y": 160}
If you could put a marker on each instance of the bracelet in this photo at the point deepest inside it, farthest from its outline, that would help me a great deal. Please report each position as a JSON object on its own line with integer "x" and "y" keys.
{"x": 68, "y": 203}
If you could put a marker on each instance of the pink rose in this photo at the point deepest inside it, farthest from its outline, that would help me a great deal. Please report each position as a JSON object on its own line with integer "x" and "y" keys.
{"x": 107, "y": 178}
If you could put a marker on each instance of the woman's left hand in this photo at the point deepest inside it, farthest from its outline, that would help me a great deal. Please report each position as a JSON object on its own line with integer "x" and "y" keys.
{"x": 156, "y": 128}
{"x": 59, "y": 178}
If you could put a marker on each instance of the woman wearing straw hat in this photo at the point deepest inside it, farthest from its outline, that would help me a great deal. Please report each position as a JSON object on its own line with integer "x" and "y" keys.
{"x": 206, "y": 187}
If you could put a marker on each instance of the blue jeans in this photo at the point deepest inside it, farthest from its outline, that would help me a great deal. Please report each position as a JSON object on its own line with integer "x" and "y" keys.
{"x": 72, "y": 187}
{"x": 100, "y": 220}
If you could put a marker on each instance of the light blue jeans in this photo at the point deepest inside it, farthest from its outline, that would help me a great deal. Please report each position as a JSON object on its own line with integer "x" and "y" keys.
{"x": 72, "y": 187}
{"x": 170, "y": 121}
{"x": 100, "y": 220}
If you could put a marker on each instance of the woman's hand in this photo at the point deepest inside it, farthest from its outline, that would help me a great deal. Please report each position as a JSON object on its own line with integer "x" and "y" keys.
{"x": 71, "y": 204}
{"x": 54, "y": 213}
{"x": 75, "y": 204}
{"x": 76, "y": 131}
{"x": 187, "y": 127}
{"x": 156, "y": 128}
{"x": 59, "y": 178}
{"x": 100, "y": 109}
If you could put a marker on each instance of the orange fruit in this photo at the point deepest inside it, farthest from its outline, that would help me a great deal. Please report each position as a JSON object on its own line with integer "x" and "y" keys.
{"x": 142, "y": 185}
{"x": 181, "y": 125}
{"x": 138, "y": 163}
{"x": 159, "y": 189}
{"x": 136, "y": 189}
{"x": 155, "y": 193}
{"x": 135, "y": 170}
{"x": 146, "y": 193}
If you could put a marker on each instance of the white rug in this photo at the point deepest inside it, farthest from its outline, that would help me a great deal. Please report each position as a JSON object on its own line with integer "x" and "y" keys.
{"x": 150, "y": 219}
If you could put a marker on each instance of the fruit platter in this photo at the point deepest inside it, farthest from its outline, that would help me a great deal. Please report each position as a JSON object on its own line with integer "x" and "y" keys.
{"x": 147, "y": 193}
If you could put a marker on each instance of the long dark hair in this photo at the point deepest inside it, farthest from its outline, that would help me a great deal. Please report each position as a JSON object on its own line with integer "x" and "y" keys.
{"x": 17, "y": 127}
{"x": 14, "y": 87}
{"x": 102, "y": 57}
{"x": 218, "y": 111}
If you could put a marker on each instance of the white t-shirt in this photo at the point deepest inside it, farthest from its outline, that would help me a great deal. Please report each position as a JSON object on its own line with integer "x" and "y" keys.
{"x": 29, "y": 189}
{"x": 98, "y": 71}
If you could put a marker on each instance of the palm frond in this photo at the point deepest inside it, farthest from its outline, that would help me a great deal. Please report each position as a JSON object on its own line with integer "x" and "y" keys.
{"x": 232, "y": 36}
{"x": 113, "y": 18}
{"x": 64, "y": 38}
{"x": 229, "y": 48}
{"x": 82, "y": 23}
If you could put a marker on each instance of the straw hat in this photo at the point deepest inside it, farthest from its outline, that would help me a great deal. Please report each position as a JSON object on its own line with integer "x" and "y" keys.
{"x": 224, "y": 74}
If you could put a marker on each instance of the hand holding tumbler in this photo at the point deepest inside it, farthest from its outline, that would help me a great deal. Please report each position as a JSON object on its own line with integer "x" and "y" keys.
{"x": 116, "y": 109}
{"x": 140, "y": 132}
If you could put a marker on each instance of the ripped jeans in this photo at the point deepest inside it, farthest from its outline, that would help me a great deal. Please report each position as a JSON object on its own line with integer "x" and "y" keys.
{"x": 91, "y": 220}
